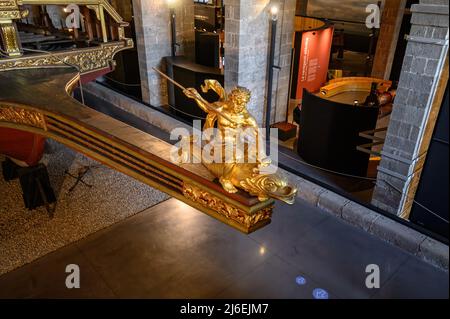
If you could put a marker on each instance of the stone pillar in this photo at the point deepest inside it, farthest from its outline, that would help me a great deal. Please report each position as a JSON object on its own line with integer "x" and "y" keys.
{"x": 419, "y": 97}
{"x": 153, "y": 37}
{"x": 391, "y": 22}
{"x": 285, "y": 37}
{"x": 301, "y": 7}
{"x": 124, "y": 8}
{"x": 185, "y": 29}
{"x": 246, "y": 50}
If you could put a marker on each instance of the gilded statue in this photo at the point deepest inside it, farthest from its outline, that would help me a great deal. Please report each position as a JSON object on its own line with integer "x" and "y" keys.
{"x": 244, "y": 171}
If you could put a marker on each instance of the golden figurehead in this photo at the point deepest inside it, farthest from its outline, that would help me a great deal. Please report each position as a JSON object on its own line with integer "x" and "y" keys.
{"x": 243, "y": 170}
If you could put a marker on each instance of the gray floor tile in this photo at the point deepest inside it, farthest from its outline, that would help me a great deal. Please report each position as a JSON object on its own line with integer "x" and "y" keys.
{"x": 172, "y": 245}
{"x": 415, "y": 280}
{"x": 288, "y": 223}
{"x": 275, "y": 279}
{"x": 46, "y": 277}
{"x": 337, "y": 254}
{"x": 174, "y": 251}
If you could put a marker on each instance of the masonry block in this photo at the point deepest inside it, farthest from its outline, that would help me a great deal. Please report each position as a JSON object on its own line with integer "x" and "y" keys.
{"x": 332, "y": 203}
{"x": 397, "y": 234}
{"x": 359, "y": 216}
{"x": 434, "y": 252}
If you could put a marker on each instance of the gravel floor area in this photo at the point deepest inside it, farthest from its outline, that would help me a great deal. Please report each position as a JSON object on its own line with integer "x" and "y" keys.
{"x": 27, "y": 235}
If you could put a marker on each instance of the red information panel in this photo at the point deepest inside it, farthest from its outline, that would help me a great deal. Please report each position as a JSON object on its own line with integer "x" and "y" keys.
{"x": 314, "y": 60}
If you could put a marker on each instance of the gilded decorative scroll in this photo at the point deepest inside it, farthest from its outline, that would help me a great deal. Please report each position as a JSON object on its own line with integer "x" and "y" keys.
{"x": 85, "y": 59}
{"x": 9, "y": 37}
{"x": 8, "y": 5}
{"x": 23, "y": 117}
{"x": 229, "y": 211}
{"x": 10, "y": 15}
{"x": 9, "y": 10}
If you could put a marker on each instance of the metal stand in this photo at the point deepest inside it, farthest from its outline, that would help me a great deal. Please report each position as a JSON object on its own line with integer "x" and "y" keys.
{"x": 35, "y": 184}
{"x": 79, "y": 178}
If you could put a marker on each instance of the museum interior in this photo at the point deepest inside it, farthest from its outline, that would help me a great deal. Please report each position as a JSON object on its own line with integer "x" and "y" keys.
{"x": 350, "y": 98}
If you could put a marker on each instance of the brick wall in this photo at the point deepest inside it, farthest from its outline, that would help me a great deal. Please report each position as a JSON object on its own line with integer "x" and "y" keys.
{"x": 421, "y": 87}
{"x": 247, "y": 24}
{"x": 246, "y": 48}
{"x": 284, "y": 45}
{"x": 152, "y": 20}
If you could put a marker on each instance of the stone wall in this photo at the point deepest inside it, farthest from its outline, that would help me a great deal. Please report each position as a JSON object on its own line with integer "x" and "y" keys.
{"x": 247, "y": 31}
{"x": 301, "y": 7}
{"x": 124, "y": 8}
{"x": 246, "y": 49}
{"x": 152, "y": 22}
{"x": 285, "y": 36}
{"x": 421, "y": 87}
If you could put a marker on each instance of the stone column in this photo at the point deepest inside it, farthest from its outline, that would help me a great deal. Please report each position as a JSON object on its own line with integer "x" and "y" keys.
{"x": 419, "y": 97}
{"x": 285, "y": 37}
{"x": 301, "y": 7}
{"x": 391, "y": 22}
{"x": 124, "y": 8}
{"x": 153, "y": 37}
{"x": 185, "y": 29}
{"x": 246, "y": 50}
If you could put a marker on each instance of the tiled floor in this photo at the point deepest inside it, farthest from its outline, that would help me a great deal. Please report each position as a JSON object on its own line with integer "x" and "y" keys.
{"x": 174, "y": 251}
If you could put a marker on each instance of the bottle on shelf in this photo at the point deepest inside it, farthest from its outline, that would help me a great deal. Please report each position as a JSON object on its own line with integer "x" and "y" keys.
{"x": 372, "y": 99}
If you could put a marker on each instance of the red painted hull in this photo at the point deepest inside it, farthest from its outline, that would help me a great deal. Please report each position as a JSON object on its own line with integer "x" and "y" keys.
{"x": 23, "y": 146}
{"x": 29, "y": 147}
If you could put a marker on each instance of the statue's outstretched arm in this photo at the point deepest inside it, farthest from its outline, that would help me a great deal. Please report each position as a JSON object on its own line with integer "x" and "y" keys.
{"x": 216, "y": 87}
{"x": 202, "y": 103}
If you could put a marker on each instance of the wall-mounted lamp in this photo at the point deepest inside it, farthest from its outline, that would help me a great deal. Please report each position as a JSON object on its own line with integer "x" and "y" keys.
{"x": 171, "y": 3}
{"x": 274, "y": 12}
{"x": 273, "y": 28}
{"x": 173, "y": 26}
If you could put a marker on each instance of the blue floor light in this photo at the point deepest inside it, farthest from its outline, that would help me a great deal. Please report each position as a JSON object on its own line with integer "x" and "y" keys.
{"x": 301, "y": 281}
{"x": 320, "y": 293}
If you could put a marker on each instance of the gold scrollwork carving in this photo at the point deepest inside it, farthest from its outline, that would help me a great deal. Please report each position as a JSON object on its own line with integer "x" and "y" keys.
{"x": 9, "y": 36}
{"x": 13, "y": 14}
{"x": 22, "y": 116}
{"x": 8, "y": 4}
{"x": 229, "y": 211}
{"x": 85, "y": 60}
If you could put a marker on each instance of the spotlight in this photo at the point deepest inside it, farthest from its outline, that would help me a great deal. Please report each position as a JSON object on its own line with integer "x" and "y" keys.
{"x": 262, "y": 250}
{"x": 171, "y": 3}
{"x": 274, "y": 12}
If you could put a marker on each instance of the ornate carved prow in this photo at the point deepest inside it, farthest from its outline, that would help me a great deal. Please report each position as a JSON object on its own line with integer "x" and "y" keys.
{"x": 233, "y": 123}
